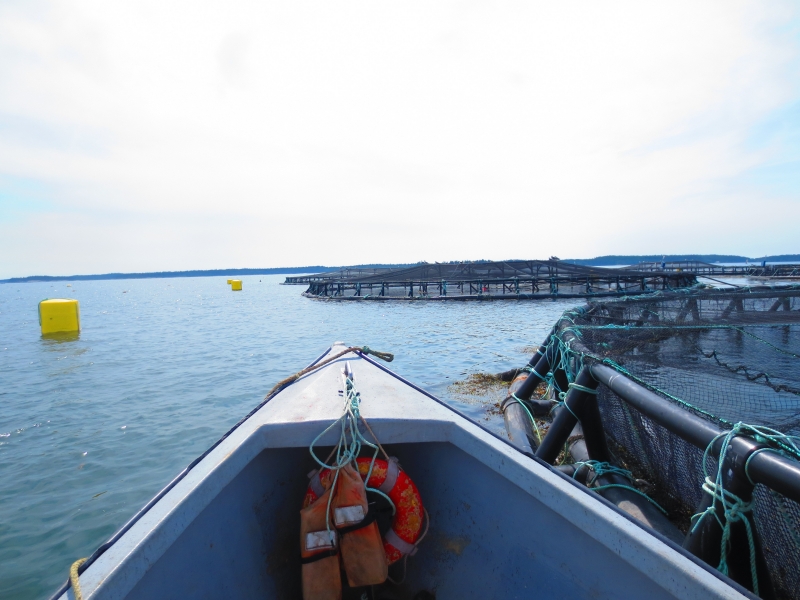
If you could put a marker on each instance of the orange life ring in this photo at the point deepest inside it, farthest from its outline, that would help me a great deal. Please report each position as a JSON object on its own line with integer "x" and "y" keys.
{"x": 388, "y": 477}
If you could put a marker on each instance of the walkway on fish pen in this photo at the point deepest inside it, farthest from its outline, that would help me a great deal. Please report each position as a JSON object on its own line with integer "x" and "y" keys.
{"x": 507, "y": 280}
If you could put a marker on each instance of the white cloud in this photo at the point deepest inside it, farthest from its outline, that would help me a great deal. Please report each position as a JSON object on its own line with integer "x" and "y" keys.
{"x": 202, "y": 135}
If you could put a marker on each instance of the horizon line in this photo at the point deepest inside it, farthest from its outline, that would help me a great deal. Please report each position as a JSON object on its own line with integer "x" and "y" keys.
{"x": 607, "y": 260}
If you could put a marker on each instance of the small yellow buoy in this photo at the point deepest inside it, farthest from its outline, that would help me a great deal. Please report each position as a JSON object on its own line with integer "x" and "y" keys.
{"x": 236, "y": 285}
{"x": 59, "y": 314}
{"x": 230, "y": 281}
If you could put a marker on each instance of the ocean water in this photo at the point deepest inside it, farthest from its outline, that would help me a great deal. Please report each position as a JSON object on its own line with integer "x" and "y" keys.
{"x": 91, "y": 428}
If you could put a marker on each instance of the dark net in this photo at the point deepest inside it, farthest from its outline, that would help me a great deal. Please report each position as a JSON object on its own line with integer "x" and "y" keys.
{"x": 726, "y": 356}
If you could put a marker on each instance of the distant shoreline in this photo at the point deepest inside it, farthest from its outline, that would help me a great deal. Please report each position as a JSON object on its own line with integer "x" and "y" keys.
{"x": 600, "y": 261}
{"x": 194, "y": 273}
{"x": 631, "y": 259}
{"x": 170, "y": 274}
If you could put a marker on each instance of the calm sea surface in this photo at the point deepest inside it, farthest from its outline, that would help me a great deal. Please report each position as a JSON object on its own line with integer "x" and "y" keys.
{"x": 90, "y": 429}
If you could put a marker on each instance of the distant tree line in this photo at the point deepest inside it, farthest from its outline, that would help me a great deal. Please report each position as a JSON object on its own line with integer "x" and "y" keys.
{"x": 609, "y": 260}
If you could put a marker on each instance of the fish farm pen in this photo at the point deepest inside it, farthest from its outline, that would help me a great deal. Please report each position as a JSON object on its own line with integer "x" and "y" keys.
{"x": 529, "y": 279}
{"x": 344, "y": 273}
{"x": 683, "y": 409}
{"x": 779, "y": 271}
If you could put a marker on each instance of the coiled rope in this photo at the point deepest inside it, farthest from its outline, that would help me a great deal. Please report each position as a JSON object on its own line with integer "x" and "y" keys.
{"x": 733, "y": 508}
{"x": 351, "y": 441}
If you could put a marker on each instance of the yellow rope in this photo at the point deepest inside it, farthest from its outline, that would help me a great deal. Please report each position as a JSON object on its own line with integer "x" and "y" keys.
{"x": 74, "y": 580}
{"x": 387, "y": 356}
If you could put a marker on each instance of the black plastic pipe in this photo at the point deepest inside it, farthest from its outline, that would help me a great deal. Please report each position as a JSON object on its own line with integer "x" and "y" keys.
{"x": 540, "y": 368}
{"x": 773, "y": 470}
{"x": 594, "y": 435}
{"x": 636, "y": 505}
{"x": 519, "y": 428}
{"x": 704, "y": 540}
{"x": 518, "y": 421}
{"x": 540, "y": 352}
{"x": 565, "y": 420}
{"x": 540, "y": 408}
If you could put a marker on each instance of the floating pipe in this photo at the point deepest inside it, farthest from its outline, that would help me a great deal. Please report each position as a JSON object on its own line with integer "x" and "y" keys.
{"x": 565, "y": 421}
{"x": 519, "y": 428}
{"x": 538, "y": 373}
{"x": 775, "y": 471}
{"x": 704, "y": 540}
{"x": 768, "y": 468}
{"x": 636, "y": 505}
{"x": 517, "y": 420}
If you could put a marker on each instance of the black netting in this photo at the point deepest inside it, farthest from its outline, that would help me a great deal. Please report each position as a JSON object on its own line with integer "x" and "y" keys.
{"x": 726, "y": 356}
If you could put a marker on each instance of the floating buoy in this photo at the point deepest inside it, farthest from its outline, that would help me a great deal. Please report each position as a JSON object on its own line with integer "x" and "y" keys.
{"x": 57, "y": 315}
{"x": 230, "y": 281}
{"x": 236, "y": 285}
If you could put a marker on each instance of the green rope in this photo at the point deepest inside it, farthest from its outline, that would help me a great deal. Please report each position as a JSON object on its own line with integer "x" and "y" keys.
{"x": 532, "y": 371}
{"x": 600, "y": 468}
{"x": 575, "y": 386}
{"x": 351, "y": 441}
{"x": 530, "y": 416}
{"x": 733, "y": 508}
{"x": 563, "y": 403}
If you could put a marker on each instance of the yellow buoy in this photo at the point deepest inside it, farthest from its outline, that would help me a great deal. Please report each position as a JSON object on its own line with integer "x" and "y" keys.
{"x": 59, "y": 314}
{"x": 236, "y": 285}
{"x": 230, "y": 281}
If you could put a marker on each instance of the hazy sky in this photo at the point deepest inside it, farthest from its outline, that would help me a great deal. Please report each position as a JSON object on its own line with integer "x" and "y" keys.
{"x": 141, "y": 136}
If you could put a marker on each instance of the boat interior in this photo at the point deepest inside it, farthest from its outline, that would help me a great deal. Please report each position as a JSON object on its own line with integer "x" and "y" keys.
{"x": 488, "y": 538}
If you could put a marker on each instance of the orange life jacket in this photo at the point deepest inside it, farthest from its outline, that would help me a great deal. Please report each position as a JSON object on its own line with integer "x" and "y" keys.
{"x": 319, "y": 553}
{"x": 388, "y": 477}
{"x": 362, "y": 551}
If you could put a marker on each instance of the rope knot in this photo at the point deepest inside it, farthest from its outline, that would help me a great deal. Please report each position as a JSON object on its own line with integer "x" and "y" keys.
{"x": 386, "y": 356}
{"x": 732, "y": 507}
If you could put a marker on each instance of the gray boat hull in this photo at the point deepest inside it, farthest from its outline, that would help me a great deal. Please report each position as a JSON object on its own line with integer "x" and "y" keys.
{"x": 502, "y": 524}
